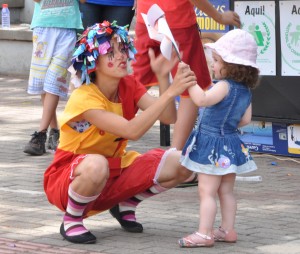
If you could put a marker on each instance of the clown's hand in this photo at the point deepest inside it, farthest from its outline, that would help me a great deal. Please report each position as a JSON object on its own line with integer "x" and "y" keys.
{"x": 160, "y": 65}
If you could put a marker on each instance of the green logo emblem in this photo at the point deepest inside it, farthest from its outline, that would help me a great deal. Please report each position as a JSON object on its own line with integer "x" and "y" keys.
{"x": 262, "y": 36}
{"x": 292, "y": 39}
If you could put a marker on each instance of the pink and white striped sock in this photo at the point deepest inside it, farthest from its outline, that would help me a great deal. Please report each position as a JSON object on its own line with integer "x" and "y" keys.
{"x": 73, "y": 221}
{"x": 127, "y": 208}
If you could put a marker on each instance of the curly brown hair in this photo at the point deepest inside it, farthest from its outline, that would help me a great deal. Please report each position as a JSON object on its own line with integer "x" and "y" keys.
{"x": 240, "y": 73}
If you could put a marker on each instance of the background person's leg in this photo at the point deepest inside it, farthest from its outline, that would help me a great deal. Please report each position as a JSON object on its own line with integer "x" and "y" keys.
{"x": 186, "y": 117}
{"x": 50, "y": 102}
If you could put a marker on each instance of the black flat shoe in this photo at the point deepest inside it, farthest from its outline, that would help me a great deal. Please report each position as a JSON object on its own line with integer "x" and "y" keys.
{"x": 193, "y": 182}
{"x": 130, "y": 226}
{"x": 87, "y": 237}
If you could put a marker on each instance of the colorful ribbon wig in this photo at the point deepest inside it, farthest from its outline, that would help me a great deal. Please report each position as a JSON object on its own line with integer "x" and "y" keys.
{"x": 95, "y": 41}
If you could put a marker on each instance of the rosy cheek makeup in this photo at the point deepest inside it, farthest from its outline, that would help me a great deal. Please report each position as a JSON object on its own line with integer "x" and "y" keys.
{"x": 110, "y": 64}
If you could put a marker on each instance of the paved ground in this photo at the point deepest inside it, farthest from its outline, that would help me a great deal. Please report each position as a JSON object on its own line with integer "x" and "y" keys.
{"x": 267, "y": 219}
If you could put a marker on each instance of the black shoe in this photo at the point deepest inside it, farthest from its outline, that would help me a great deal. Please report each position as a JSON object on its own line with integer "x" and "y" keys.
{"x": 53, "y": 139}
{"x": 87, "y": 237}
{"x": 193, "y": 182}
{"x": 130, "y": 226}
{"x": 36, "y": 146}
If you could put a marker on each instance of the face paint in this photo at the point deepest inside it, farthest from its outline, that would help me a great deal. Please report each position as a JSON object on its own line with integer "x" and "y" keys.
{"x": 110, "y": 64}
{"x": 111, "y": 54}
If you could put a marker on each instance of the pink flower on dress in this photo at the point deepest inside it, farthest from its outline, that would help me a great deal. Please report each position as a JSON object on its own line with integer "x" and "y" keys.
{"x": 223, "y": 162}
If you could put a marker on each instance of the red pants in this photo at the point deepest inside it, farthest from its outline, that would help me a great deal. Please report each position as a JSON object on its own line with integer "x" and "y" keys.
{"x": 189, "y": 43}
{"x": 122, "y": 184}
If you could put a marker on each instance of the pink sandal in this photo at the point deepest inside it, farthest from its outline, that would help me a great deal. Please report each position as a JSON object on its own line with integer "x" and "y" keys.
{"x": 196, "y": 240}
{"x": 222, "y": 235}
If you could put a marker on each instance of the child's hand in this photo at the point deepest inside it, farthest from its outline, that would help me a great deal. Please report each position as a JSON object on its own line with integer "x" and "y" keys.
{"x": 160, "y": 65}
{"x": 183, "y": 79}
{"x": 230, "y": 18}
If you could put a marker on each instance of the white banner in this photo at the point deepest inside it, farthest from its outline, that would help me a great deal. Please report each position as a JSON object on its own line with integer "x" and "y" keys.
{"x": 290, "y": 37}
{"x": 258, "y": 18}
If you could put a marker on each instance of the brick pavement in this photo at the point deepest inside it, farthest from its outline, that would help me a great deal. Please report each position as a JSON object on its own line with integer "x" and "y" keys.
{"x": 267, "y": 219}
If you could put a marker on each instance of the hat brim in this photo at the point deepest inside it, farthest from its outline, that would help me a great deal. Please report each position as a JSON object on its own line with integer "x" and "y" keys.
{"x": 228, "y": 58}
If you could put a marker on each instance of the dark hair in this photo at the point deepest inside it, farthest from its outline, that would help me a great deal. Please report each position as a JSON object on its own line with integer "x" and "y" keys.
{"x": 92, "y": 77}
{"x": 240, "y": 73}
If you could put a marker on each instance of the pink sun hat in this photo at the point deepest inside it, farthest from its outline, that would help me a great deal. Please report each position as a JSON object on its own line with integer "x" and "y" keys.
{"x": 237, "y": 47}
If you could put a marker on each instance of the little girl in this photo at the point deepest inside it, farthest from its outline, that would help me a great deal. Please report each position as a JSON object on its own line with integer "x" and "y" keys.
{"x": 214, "y": 149}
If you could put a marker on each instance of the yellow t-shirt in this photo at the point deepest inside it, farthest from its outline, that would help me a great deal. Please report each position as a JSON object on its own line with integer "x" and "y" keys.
{"x": 93, "y": 140}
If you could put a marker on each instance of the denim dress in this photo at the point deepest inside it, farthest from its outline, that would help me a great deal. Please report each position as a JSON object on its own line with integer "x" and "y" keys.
{"x": 214, "y": 146}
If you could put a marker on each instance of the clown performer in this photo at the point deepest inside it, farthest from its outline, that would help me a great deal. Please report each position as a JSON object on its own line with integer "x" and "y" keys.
{"x": 92, "y": 171}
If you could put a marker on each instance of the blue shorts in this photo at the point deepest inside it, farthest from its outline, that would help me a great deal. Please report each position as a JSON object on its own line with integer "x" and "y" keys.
{"x": 51, "y": 58}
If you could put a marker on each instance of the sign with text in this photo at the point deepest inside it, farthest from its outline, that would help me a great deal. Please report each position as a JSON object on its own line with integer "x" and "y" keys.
{"x": 272, "y": 138}
{"x": 258, "y": 18}
{"x": 208, "y": 24}
{"x": 290, "y": 37}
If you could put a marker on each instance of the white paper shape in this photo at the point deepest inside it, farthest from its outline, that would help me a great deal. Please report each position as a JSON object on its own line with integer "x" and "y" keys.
{"x": 158, "y": 29}
{"x": 166, "y": 48}
{"x": 154, "y": 13}
{"x": 153, "y": 34}
{"x": 74, "y": 78}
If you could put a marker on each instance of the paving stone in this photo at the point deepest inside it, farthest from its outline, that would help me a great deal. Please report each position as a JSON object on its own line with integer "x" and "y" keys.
{"x": 267, "y": 217}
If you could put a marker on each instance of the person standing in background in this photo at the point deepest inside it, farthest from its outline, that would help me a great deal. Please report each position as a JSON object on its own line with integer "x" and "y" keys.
{"x": 181, "y": 18}
{"x": 54, "y": 25}
{"x": 95, "y": 11}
